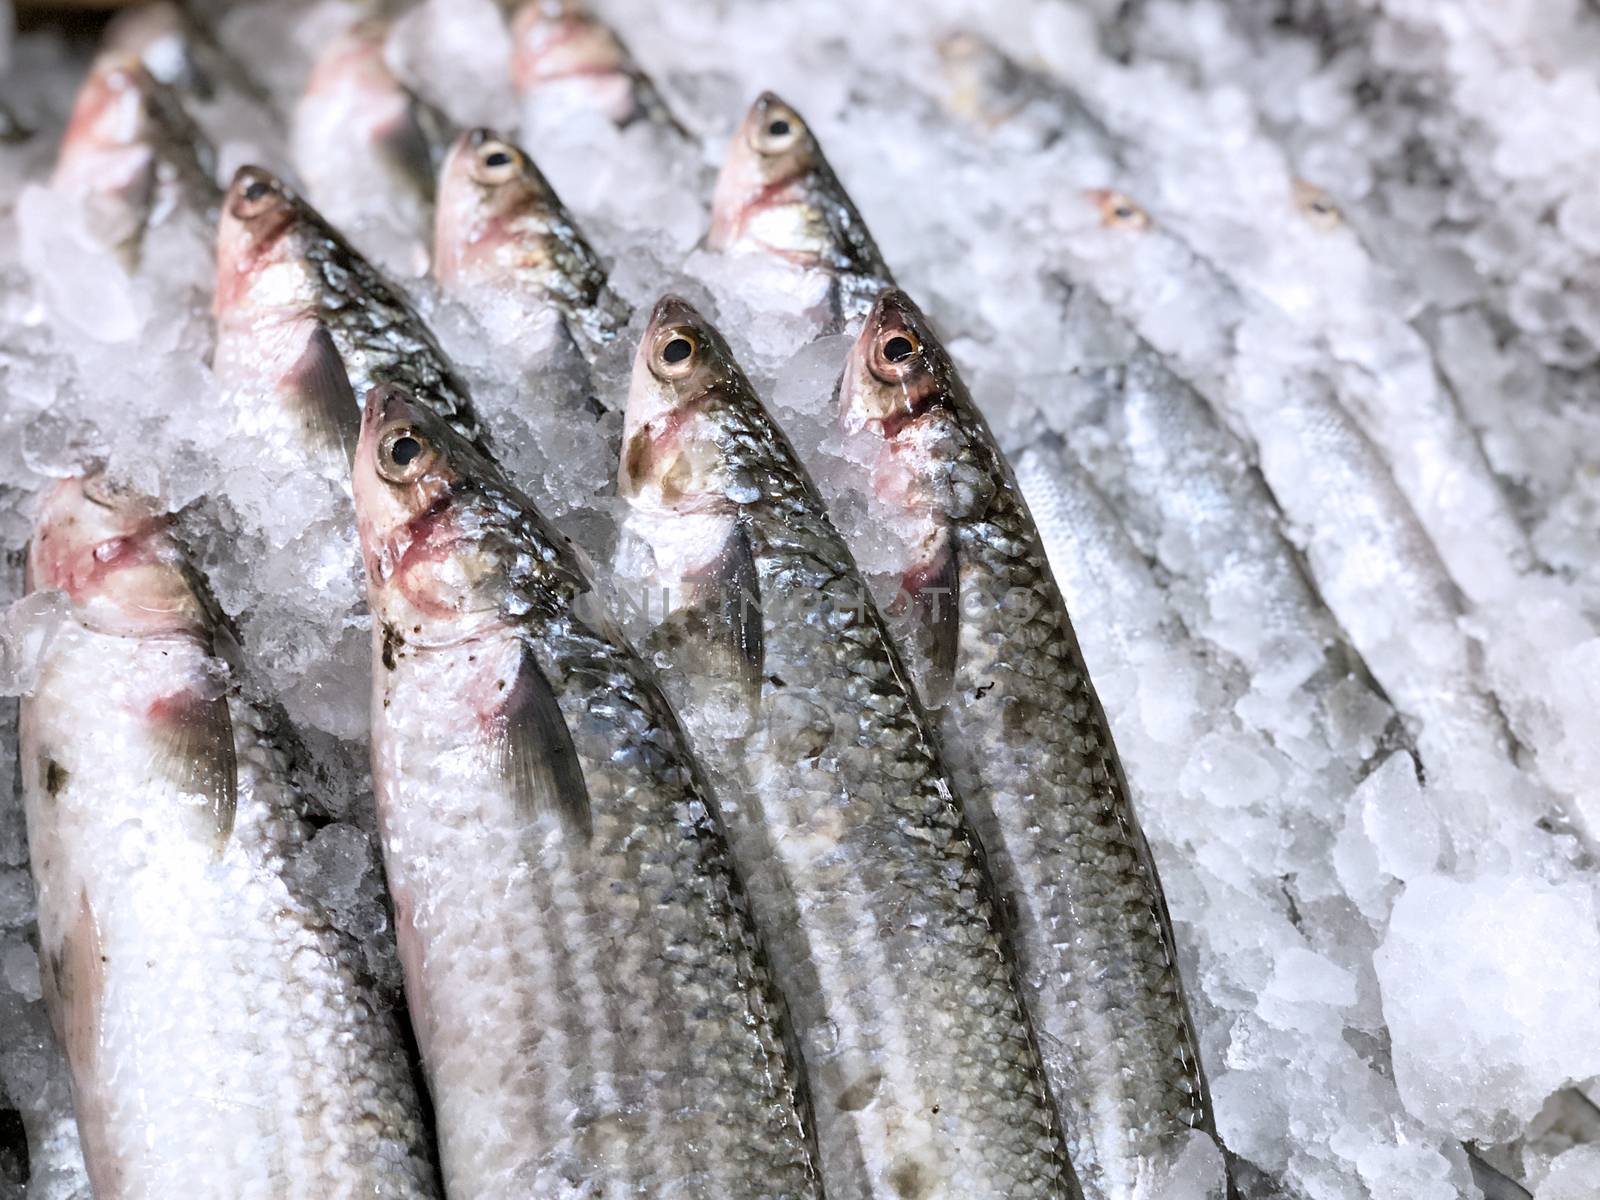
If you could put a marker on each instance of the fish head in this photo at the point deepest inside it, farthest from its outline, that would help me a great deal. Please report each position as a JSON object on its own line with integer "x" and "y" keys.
{"x": 554, "y": 40}
{"x": 112, "y": 551}
{"x": 896, "y": 372}
{"x": 162, "y": 37}
{"x": 494, "y": 212}
{"x": 763, "y": 192}
{"x": 433, "y": 570}
{"x": 1317, "y": 205}
{"x": 674, "y": 436}
{"x": 1118, "y": 210}
{"x": 354, "y": 61}
{"x": 107, "y": 149}
{"x": 262, "y": 238}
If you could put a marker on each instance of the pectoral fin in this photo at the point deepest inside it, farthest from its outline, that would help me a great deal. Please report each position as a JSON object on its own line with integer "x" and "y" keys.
{"x": 531, "y": 749}
{"x": 320, "y": 391}
{"x": 932, "y": 593}
{"x": 193, "y": 750}
{"x": 723, "y": 603}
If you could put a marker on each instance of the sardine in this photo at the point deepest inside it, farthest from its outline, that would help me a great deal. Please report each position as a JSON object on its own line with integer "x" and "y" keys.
{"x": 777, "y": 195}
{"x": 503, "y": 234}
{"x": 304, "y": 319}
{"x": 131, "y": 156}
{"x": 1033, "y": 755}
{"x": 221, "y": 1035}
{"x": 590, "y": 998}
{"x": 367, "y": 146}
{"x": 864, "y": 872}
{"x": 562, "y": 52}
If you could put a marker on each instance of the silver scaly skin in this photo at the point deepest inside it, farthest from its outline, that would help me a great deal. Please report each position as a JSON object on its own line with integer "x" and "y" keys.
{"x": 864, "y": 874}
{"x": 502, "y": 229}
{"x": 223, "y": 1041}
{"x": 587, "y": 987}
{"x": 778, "y": 195}
{"x": 304, "y": 320}
{"x": 1370, "y": 558}
{"x": 1034, "y": 757}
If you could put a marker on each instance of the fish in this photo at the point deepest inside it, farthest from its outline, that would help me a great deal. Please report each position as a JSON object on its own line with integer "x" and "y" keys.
{"x": 132, "y": 157}
{"x": 1367, "y": 554}
{"x": 367, "y": 146}
{"x": 562, "y": 52}
{"x": 590, "y": 996}
{"x": 304, "y": 320}
{"x": 502, "y": 232}
{"x": 777, "y": 195}
{"x": 1033, "y": 755}
{"x": 864, "y": 872}
{"x": 997, "y": 97}
{"x": 222, "y": 1034}
{"x": 1194, "y": 503}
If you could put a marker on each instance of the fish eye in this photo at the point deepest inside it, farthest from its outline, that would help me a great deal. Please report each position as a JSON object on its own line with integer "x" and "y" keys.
{"x": 775, "y": 134}
{"x": 495, "y": 163}
{"x": 254, "y": 198}
{"x": 896, "y": 352}
{"x": 403, "y": 454}
{"x": 1118, "y": 211}
{"x": 899, "y": 348}
{"x": 675, "y": 351}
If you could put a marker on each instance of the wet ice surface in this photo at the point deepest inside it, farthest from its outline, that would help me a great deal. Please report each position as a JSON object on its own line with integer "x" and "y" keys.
{"x": 1382, "y": 968}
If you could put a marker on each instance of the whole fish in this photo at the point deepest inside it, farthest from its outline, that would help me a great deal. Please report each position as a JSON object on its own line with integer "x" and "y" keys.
{"x": 777, "y": 195}
{"x": 367, "y": 146}
{"x": 1192, "y": 501}
{"x": 864, "y": 873}
{"x": 221, "y": 1035}
{"x": 132, "y": 156}
{"x": 563, "y": 53}
{"x": 502, "y": 234}
{"x": 1369, "y": 556}
{"x": 306, "y": 322}
{"x": 589, "y": 995}
{"x": 1037, "y": 765}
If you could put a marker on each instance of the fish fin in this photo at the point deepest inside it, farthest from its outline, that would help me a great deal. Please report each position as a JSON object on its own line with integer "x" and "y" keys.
{"x": 412, "y": 145}
{"x": 931, "y": 592}
{"x": 725, "y": 601}
{"x": 74, "y": 981}
{"x": 531, "y": 749}
{"x": 195, "y": 751}
{"x": 1493, "y": 1183}
{"x": 324, "y": 399}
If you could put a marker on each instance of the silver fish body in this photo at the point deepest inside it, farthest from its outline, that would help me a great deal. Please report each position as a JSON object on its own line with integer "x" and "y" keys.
{"x": 864, "y": 873}
{"x": 1370, "y": 558}
{"x": 589, "y": 995}
{"x": 222, "y": 1038}
{"x": 1033, "y": 755}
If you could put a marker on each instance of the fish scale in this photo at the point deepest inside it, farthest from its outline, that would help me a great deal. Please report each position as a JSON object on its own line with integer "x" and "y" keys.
{"x": 864, "y": 874}
{"x": 591, "y": 931}
{"x": 1032, "y": 754}
{"x": 222, "y": 1037}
